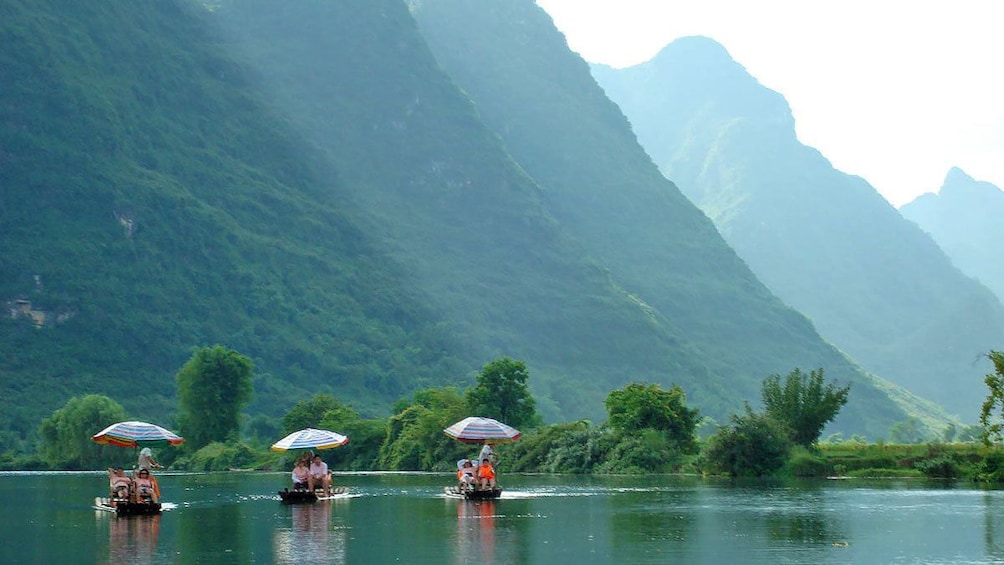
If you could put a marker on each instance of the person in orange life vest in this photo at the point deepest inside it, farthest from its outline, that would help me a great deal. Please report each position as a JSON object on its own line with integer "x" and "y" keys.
{"x": 145, "y": 486}
{"x": 119, "y": 484}
{"x": 466, "y": 475}
{"x": 486, "y": 474}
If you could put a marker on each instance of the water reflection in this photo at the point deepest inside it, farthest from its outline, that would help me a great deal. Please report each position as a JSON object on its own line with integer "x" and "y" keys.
{"x": 132, "y": 539}
{"x": 311, "y": 538}
{"x": 993, "y": 525}
{"x": 476, "y": 531}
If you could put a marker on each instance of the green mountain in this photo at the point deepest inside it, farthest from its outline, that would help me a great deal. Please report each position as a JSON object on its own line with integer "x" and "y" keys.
{"x": 964, "y": 218}
{"x": 598, "y": 182}
{"x": 304, "y": 183}
{"x": 826, "y": 242}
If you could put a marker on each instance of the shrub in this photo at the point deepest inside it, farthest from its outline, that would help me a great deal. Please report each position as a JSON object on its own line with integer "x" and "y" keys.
{"x": 753, "y": 445}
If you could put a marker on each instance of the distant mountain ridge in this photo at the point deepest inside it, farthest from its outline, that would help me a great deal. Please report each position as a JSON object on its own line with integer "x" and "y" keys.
{"x": 825, "y": 242}
{"x": 964, "y": 217}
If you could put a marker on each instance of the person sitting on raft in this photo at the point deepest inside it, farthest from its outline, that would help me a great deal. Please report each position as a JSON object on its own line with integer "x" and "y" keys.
{"x": 301, "y": 476}
{"x": 486, "y": 474}
{"x": 119, "y": 484}
{"x": 465, "y": 474}
{"x": 319, "y": 476}
{"x": 145, "y": 489}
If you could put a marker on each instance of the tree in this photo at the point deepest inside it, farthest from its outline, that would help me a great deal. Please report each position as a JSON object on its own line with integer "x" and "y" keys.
{"x": 993, "y": 427}
{"x": 638, "y": 406}
{"x": 501, "y": 393}
{"x": 309, "y": 413}
{"x": 753, "y": 445}
{"x": 803, "y": 404}
{"x": 66, "y": 434}
{"x": 213, "y": 386}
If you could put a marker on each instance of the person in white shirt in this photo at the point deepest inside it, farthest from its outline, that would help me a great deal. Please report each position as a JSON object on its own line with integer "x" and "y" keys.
{"x": 319, "y": 476}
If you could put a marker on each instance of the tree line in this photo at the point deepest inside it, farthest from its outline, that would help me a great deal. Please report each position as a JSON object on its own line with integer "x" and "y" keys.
{"x": 649, "y": 429}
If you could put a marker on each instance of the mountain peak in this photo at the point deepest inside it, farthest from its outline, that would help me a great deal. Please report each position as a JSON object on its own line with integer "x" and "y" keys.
{"x": 956, "y": 176}
{"x": 958, "y": 184}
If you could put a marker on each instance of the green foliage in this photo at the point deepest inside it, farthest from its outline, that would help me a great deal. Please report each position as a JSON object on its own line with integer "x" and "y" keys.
{"x": 991, "y": 468}
{"x": 308, "y": 413}
{"x": 993, "y": 424}
{"x": 501, "y": 393}
{"x": 219, "y": 456}
{"x": 574, "y": 447}
{"x": 804, "y": 463}
{"x": 803, "y": 404}
{"x": 637, "y": 407}
{"x": 415, "y": 439}
{"x": 66, "y": 434}
{"x": 751, "y": 445}
{"x": 213, "y": 386}
{"x": 942, "y": 467}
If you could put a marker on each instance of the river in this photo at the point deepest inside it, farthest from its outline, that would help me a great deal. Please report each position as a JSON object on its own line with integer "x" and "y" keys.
{"x": 541, "y": 519}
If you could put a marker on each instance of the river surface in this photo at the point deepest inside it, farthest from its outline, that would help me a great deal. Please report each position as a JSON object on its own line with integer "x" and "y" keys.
{"x": 541, "y": 519}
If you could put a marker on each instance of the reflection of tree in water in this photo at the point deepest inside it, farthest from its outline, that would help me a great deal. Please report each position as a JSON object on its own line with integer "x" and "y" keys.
{"x": 310, "y": 537}
{"x": 993, "y": 525}
{"x": 202, "y": 531}
{"x": 133, "y": 539}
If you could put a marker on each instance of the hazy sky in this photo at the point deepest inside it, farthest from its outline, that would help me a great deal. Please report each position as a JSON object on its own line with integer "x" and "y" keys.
{"x": 895, "y": 91}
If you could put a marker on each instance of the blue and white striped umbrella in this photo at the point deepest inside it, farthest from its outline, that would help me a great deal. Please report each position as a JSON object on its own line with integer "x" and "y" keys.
{"x": 477, "y": 429}
{"x": 310, "y": 438}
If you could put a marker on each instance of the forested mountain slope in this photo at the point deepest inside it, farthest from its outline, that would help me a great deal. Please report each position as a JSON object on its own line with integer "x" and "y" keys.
{"x": 303, "y": 183}
{"x": 152, "y": 202}
{"x": 826, "y": 242}
{"x": 964, "y": 217}
{"x": 599, "y": 183}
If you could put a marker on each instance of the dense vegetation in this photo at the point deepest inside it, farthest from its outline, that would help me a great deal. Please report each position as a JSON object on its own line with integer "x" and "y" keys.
{"x": 649, "y": 430}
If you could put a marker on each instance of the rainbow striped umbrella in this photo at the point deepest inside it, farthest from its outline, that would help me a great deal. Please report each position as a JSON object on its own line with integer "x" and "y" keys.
{"x": 482, "y": 430}
{"x": 310, "y": 438}
{"x": 133, "y": 434}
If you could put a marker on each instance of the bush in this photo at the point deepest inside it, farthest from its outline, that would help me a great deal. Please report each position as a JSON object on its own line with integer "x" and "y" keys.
{"x": 219, "y": 456}
{"x": 804, "y": 463}
{"x": 753, "y": 445}
{"x": 942, "y": 467}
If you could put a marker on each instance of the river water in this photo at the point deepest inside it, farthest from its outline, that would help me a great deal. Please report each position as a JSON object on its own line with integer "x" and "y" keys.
{"x": 404, "y": 518}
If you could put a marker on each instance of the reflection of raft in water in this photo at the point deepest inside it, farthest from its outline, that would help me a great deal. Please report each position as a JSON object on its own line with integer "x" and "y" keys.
{"x": 457, "y": 492}
{"x": 301, "y": 496}
{"x": 127, "y": 508}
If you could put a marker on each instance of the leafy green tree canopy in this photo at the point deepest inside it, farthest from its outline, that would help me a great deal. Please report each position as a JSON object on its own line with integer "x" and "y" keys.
{"x": 308, "y": 413}
{"x": 803, "y": 403}
{"x": 415, "y": 438}
{"x": 66, "y": 434}
{"x": 993, "y": 427}
{"x": 213, "y": 386}
{"x": 501, "y": 393}
{"x": 639, "y": 406}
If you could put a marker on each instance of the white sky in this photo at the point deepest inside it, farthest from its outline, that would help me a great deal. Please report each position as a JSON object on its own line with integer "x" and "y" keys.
{"x": 895, "y": 91}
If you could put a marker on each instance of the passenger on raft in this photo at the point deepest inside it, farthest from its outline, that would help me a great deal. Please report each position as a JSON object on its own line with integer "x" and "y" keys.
{"x": 145, "y": 490}
{"x": 486, "y": 474}
{"x": 301, "y": 475}
{"x": 319, "y": 476}
{"x": 119, "y": 484}
{"x": 465, "y": 475}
